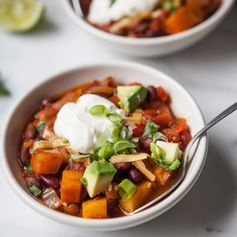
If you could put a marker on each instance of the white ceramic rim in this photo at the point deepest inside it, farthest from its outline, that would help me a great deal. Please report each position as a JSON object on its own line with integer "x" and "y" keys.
{"x": 113, "y": 223}
{"x": 224, "y": 8}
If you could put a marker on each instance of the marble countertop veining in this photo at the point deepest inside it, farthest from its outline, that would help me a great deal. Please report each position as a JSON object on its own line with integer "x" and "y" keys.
{"x": 208, "y": 70}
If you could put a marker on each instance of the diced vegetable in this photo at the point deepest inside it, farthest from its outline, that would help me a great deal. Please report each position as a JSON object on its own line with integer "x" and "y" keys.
{"x": 162, "y": 175}
{"x": 50, "y": 198}
{"x": 34, "y": 190}
{"x": 106, "y": 150}
{"x": 95, "y": 208}
{"x": 142, "y": 168}
{"x": 98, "y": 175}
{"x": 98, "y": 110}
{"x": 182, "y": 20}
{"x": 123, "y": 145}
{"x": 166, "y": 154}
{"x": 71, "y": 186}
{"x": 128, "y": 158}
{"x": 138, "y": 198}
{"x": 46, "y": 161}
{"x": 126, "y": 189}
{"x": 131, "y": 96}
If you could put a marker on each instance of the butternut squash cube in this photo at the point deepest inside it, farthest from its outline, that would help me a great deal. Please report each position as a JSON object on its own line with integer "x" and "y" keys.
{"x": 46, "y": 161}
{"x": 95, "y": 208}
{"x": 71, "y": 186}
{"x": 162, "y": 176}
{"x": 182, "y": 20}
{"x": 139, "y": 198}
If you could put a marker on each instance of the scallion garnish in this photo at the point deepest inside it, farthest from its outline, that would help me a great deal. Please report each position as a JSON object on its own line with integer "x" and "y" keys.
{"x": 151, "y": 129}
{"x": 123, "y": 145}
{"x": 40, "y": 126}
{"x": 34, "y": 190}
{"x": 106, "y": 151}
{"x": 98, "y": 110}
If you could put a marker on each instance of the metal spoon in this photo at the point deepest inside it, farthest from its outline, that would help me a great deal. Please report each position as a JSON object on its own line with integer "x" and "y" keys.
{"x": 184, "y": 167}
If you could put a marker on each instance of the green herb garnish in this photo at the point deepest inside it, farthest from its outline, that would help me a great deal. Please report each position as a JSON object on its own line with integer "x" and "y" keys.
{"x": 34, "y": 190}
{"x": 40, "y": 126}
{"x": 151, "y": 129}
{"x": 106, "y": 151}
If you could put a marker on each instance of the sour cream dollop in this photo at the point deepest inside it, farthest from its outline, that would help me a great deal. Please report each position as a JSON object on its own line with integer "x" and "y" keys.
{"x": 79, "y": 127}
{"x": 102, "y": 12}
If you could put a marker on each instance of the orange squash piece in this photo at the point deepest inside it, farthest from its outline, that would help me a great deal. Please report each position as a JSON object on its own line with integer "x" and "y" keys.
{"x": 46, "y": 161}
{"x": 162, "y": 176}
{"x": 95, "y": 208}
{"x": 142, "y": 193}
{"x": 182, "y": 20}
{"x": 198, "y": 7}
{"x": 71, "y": 186}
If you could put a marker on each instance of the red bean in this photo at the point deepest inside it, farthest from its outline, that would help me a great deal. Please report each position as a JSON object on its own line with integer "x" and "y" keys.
{"x": 135, "y": 175}
{"x": 122, "y": 166}
{"x": 152, "y": 95}
{"x": 30, "y": 132}
{"x": 24, "y": 156}
{"x": 76, "y": 166}
{"x": 144, "y": 144}
{"x": 50, "y": 180}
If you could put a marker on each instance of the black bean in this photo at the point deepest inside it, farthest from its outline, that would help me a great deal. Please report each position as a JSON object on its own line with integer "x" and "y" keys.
{"x": 24, "y": 156}
{"x": 144, "y": 144}
{"x": 122, "y": 166}
{"x": 50, "y": 180}
{"x": 142, "y": 27}
{"x": 152, "y": 95}
{"x": 135, "y": 175}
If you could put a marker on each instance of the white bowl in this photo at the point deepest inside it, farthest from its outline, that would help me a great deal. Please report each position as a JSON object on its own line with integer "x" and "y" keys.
{"x": 182, "y": 104}
{"x": 155, "y": 46}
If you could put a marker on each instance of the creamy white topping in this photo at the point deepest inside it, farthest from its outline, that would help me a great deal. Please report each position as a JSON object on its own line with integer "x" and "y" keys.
{"x": 79, "y": 127}
{"x": 102, "y": 12}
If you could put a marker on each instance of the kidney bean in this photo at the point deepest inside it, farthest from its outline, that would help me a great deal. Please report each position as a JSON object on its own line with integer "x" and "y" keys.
{"x": 30, "y": 132}
{"x": 135, "y": 175}
{"x": 76, "y": 166}
{"x": 32, "y": 180}
{"x": 152, "y": 95}
{"x": 144, "y": 144}
{"x": 50, "y": 180}
{"x": 122, "y": 166}
{"x": 24, "y": 156}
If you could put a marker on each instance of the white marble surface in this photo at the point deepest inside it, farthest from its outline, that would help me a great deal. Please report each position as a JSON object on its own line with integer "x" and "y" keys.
{"x": 208, "y": 70}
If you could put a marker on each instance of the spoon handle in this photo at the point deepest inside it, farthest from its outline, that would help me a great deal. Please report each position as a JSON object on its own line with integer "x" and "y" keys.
{"x": 217, "y": 119}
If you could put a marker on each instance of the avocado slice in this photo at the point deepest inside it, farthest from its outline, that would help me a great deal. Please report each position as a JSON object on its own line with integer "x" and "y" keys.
{"x": 172, "y": 151}
{"x": 97, "y": 177}
{"x": 131, "y": 97}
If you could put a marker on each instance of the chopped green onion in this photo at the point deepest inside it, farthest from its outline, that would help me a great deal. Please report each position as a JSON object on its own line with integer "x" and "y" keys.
{"x": 125, "y": 132}
{"x": 98, "y": 110}
{"x": 40, "y": 126}
{"x": 115, "y": 118}
{"x": 151, "y": 129}
{"x": 34, "y": 190}
{"x": 123, "y": 145}
{"x": 159, "y": 136}
{"x": 27, "y": 165}
{"x": 106, "y": 151}
{"x": 115, "y": 133}
{"x": 126, "y": 189}
{"x": 84, "y": 181}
